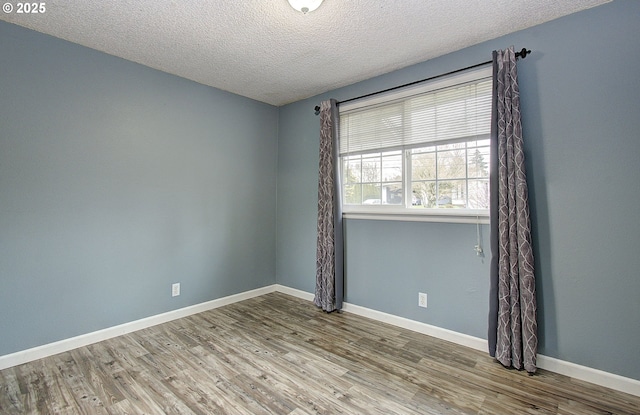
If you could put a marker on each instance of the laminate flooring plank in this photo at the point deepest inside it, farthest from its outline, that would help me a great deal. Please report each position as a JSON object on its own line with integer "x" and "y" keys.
{"x": 274, "y": 337}
{"x": 214, "y": 361}
{"x": 314, "y": 366}
{"x": 177, "y": 358}
{"x": 48, "y": 394}
{"x": 95, "y": 373}
{"x": 286, "y": 306}
{"x": 361, "y": 357}
{"x": 160, "y": 357}
{"x": 598, "y": 397}
{"x": 505, "y": 404}
{"x": 468, "y": 380}
{"x": 166, "y": 341}
{"x": 125, "y": 351}
{"x": 130, "y": 343}
{"x": 559, "y": 389}
{"x": 159, "y": 393}
{"x": 382, "y": 348}
{"x": 450, "y": 393}
{"x": 137, "y": 393}
{"x": 156, "y": 365}
{"x": 123, "y": 408}
{"x": 10, "y": 395}
{"x": 101, "y": 353}
{"x": 315, "y": 384}
{"x": 349, "y": 326}
{"x": 217, "y": 317}
{"x": 573, "y": 408}
{"x": 320, "y": 388}
{"x": 197, "y": 384}
{"x": 268, "y": 371}
{"x": 67, "y": 404}
{"x": 247, "y": 401}
{"x": 269, "y": 318}
{"x": 299, "y": 411}
{"x": 268, "y": 395}
{"x": 176, "y": 330}
{"x": 59, "y": 400}
{"x": 197, "y": 332}
{"x": 382, "y": 366}
{"x": 444, "y": 387}
{"x": 442, "y": 351}
{"x": 483, "y": 382}
{"x": 34, "y": 391}
{"x": 206, "y": 394}
{"x": 390, "y": 386}
{"x": 374, "y": 402}
{"x": 431, "y": 405}
{"x": 87, "y": 401}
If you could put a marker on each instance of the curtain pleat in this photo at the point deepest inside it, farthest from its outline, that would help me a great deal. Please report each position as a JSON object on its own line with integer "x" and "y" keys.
{"x": 513, "y": 339}
{"x": 329, "y": 249}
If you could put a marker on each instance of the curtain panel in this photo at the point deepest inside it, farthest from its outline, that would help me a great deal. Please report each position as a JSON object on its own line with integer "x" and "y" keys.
{"x": 513, "y": 338}
{"x": 329, "y": 248}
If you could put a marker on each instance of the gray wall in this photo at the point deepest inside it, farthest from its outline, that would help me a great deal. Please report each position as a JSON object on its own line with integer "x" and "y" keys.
{"x": 117, "y": 180}
{"x": 580, "y": 109}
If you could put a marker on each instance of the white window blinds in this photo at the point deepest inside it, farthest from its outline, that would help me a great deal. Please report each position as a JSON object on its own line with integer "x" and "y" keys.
{"x": 420, "y": 115}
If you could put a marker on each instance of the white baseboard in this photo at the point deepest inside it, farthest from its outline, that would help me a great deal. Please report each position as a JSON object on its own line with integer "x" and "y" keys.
{"x": 61, "y": 346}
{"x": 452, "y": 336}
{"x": 587, "y": 374}
{"x": 438, "y": 332}
{"x": 584, "y": 373}
{"x": 294, "y": 292}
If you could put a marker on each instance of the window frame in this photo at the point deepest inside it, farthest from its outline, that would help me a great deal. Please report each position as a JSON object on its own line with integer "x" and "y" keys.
{"x": 405, "y": 212}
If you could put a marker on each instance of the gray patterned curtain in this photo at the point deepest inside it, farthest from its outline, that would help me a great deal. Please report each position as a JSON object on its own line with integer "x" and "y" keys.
{"x": 329, "y": 251}
{"x": 513, "y": 338}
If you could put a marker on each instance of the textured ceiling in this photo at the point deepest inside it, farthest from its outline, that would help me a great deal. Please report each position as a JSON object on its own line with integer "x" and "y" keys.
{"x": 265, "y": 50}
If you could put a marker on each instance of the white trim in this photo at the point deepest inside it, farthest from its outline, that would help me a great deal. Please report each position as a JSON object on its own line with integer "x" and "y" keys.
{"x": 444, "y": 334}
{"x": 405, "y": 216}
{"x": 413, "y": 325}
{"x": 294, "y": 292}
{"x": 71, "y": 343}
{"x": 587, "y": 374}
{"x": 417, "y": 326}
{"x": 584, "y": 373}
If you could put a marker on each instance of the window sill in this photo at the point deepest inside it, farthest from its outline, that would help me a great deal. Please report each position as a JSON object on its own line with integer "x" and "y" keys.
{"x": 408, "y": 215}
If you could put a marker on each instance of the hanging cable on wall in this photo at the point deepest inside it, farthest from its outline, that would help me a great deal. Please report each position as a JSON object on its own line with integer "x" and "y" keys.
{"x": 478, "y": 247}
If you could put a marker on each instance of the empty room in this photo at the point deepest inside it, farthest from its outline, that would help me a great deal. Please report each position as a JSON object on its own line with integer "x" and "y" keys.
{"x": 319, "y": 207}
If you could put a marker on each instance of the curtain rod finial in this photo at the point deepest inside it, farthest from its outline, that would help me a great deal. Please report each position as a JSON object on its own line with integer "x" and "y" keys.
{"x": 523, "y": 53}
{"x": 317, "y": 109}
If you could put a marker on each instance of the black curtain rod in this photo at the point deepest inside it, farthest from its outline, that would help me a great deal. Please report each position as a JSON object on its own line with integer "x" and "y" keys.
{"x": 522, "y": 54}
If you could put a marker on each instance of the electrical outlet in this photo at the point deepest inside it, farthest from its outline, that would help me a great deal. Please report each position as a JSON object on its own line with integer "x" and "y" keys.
{"x": 175, "y": 289}
{"x": 422, "y": 300}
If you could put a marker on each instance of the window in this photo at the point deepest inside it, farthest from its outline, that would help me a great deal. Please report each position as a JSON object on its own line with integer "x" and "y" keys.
{"x": 421, "y": 152}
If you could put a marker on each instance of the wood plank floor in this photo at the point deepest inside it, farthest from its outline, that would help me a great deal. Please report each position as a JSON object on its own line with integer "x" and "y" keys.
{"x": 277, "y": 354}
